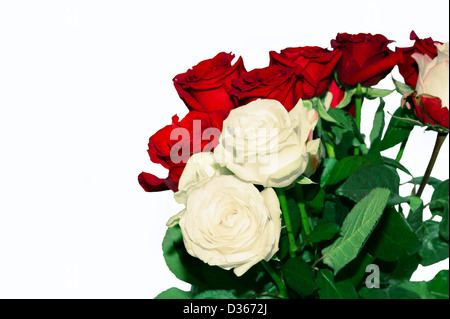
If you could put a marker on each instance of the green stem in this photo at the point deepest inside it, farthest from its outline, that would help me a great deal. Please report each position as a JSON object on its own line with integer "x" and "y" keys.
{"x": 437, "y": 146}
{"x": 401, "y": 150}
{"x": 287, "y": 221}
{"x": 358, "y": 107}
{"x": 280, "y": 284}
{"x": 302, "y": 208}
{"x": 330, "y": 150}
{"x": 330, "y": 147}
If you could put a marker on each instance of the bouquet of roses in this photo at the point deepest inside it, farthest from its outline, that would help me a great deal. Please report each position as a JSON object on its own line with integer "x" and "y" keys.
{"x": 283, "y": 196}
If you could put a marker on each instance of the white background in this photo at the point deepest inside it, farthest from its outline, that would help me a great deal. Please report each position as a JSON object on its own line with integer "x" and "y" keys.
{"x": 84, "y": 84}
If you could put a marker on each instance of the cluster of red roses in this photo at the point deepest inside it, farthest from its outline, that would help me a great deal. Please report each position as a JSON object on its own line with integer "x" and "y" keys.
{"x": 214, "y": 87}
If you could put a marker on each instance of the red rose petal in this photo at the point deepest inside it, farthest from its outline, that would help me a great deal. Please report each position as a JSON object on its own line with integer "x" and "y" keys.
{"x": 151, "y": 183}
{"x": 408, "y": 67}
{"x": 373, "y": 73}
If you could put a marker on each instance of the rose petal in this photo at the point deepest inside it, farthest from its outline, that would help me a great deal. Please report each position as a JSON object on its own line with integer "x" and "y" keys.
{"x": 151, "y": 183}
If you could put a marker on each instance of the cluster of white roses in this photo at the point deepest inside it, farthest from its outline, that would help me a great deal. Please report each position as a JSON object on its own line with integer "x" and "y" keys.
{"x": 227, "y": 221}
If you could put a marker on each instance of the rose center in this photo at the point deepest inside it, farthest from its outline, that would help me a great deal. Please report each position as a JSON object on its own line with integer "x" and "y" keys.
{"x": 230, "y": 218}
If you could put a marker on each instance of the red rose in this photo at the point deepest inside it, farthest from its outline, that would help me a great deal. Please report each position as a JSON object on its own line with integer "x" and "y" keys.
{"x": 431, "y": 94}
{"x": 314, "y": 63}
{"x": 429, "y": 110}
{"x": 174, "y": 144}
{"x": 272, "y": 82}
{"x": 408, "y": 67}
{"x": 205, "y": 87}
{"x": 366, "y": 58}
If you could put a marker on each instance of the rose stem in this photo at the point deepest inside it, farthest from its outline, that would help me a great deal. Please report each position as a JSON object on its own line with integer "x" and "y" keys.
{"x": 401, "y": 150}
{"x": 280, "y": 284}
{"x": 437, "y": 146}
{"x": 302, "y": 208}
{"x": 330, "y": 148}
{"x": 287, "y": 221}
{"x": 358, "y": 107}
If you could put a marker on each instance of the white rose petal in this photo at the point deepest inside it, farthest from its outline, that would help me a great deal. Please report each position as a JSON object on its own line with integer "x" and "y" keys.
{"x": 199, "y": 166}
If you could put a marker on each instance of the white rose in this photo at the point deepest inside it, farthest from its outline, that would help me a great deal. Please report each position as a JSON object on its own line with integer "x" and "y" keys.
{"x": 433, "y": 76}
{"x": 199, "y": 167}
{"x": 264, "y": 144}
{"x": 228, "y": 223}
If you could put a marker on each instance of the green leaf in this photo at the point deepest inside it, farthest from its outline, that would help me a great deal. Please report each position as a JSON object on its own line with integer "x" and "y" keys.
{"x": 283, "y": 245}
{"x": 356, "y": 228}
{"x": 308, "y": 103}
{"x": 434, "y": 248}
{"x": 323, "y": 231}
{"x": 174, "y": 293}
{"x": 433, "y": 182}
{"x": 393, "y": 238}
{"x": 334, "y": 211}
{"x": 194, "y": 271}
{"x": 216, "y": 294}
{"x": 299, "y": 276}
{"x": 344, "y": 168}
{"x": 402, "y": 88}
{"x": 315, "y": 204}
{"x": 377, "y": 126}
{"x": 439, "y": 285}
{"x": 355, "y": 271}
{"x": 303, "y": 180}
{"x": 393, "y": 292}
{"x": 397, "y": 130}
{"x": 405, "y": 268}
{"x": 342, "y": 118}
{"x": 328, "y": 165}
{"x": 324, "y": 114}
{"x": 344, "y": 146}
{"x": 418, "y": 287}
{"x": 348, "y": 94}
{"x": 415, "y": 216}
{"x": 444, "y": 225}
{"x": 415, "y": 202}
{"x": 361, "y": 182}
{"x": 440, "y": 199}
{"x": 373, "y": 293}
{"x": 176, "y": 257}
{"x": 296, "y": 221}
{"x": 329, "y": 289}
{"x": 347, "y": 289}
{"x": 393, "y": 163}
{"x": 327, "y": 286}
{"x": 373, "y": 93}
